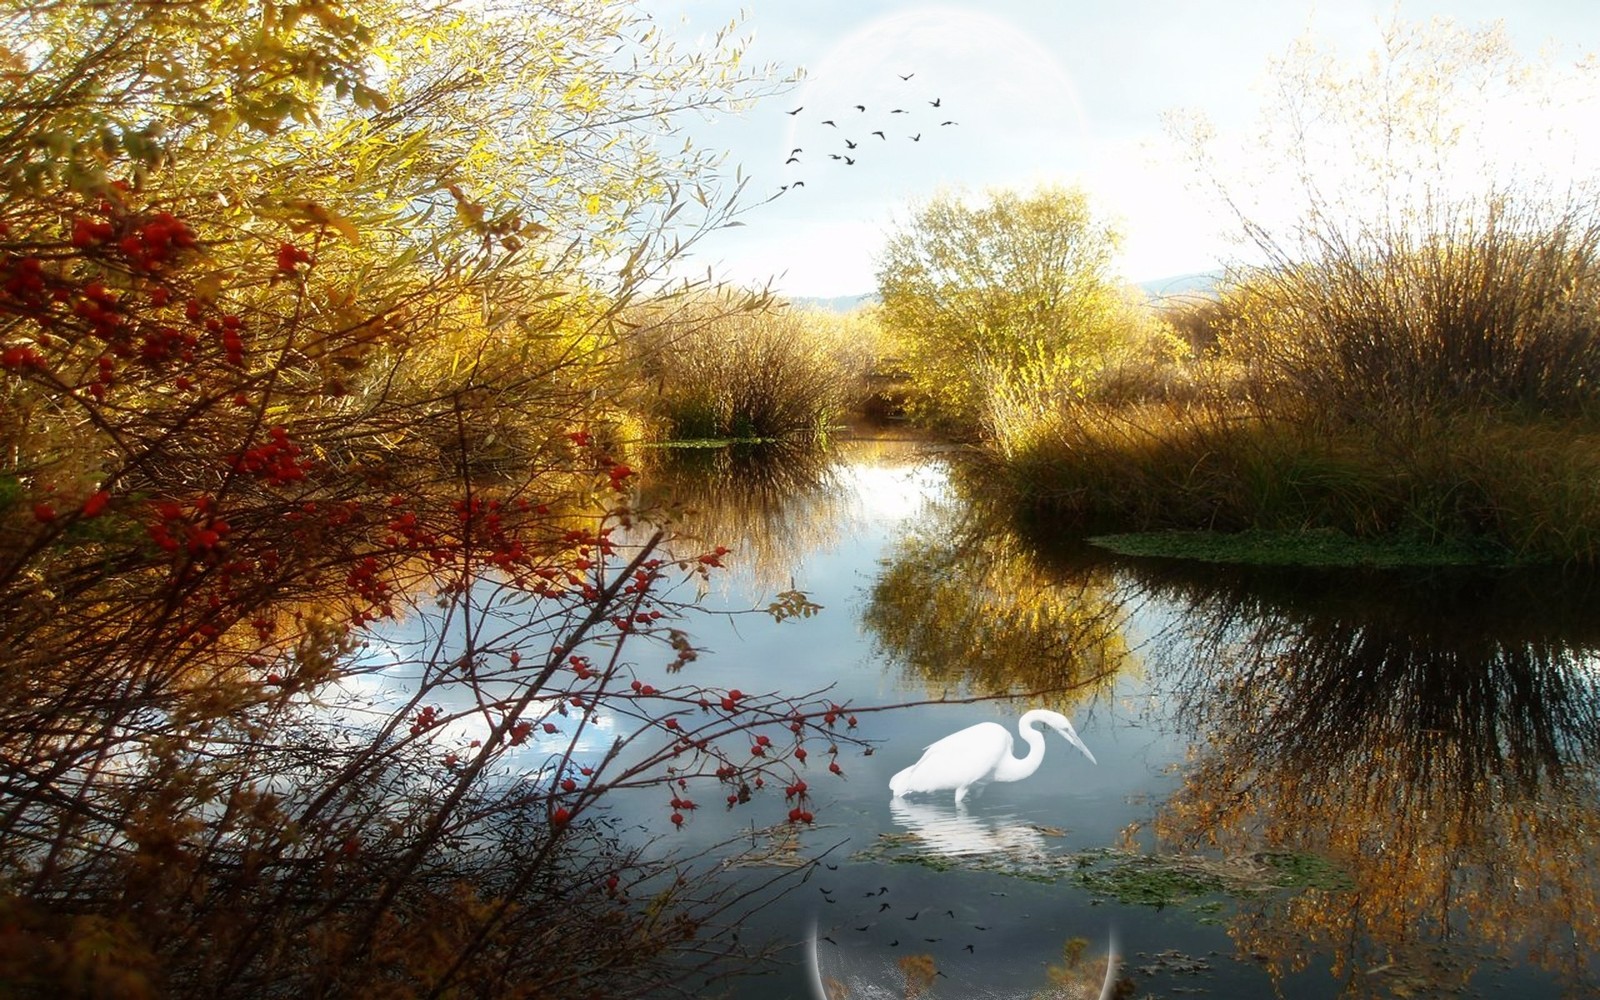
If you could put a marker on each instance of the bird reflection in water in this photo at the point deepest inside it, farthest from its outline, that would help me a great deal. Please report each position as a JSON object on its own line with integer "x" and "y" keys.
{"x": 951, "y": 830}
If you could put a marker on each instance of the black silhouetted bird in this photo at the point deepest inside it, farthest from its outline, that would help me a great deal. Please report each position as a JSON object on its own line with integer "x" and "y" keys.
{"x": 799, "y": 184}
{"x": 792, "y": 159}
{"x": 969, "y": 947}
{"x": 906, "y": 76}
{"x": 861, "y": 107}
{"x": 849, "y": 145}
{"x": 796, "y": 110}
{"x": 885, "y": 906}
{"x": 849, "y": 162}
{"x": 917, "y": 137}
{"x": 836, "y": 156}
{"x": 895, "y": 943}
{"x": 830, "y": 940}
{"x": 899, "y": 111}
{"x": 935, "y": 101}
{"x": 949, "y": 123}
{"x": 880, "y": 135}
{"x": 830, "y": 121}
{"x": 793, "y": 151}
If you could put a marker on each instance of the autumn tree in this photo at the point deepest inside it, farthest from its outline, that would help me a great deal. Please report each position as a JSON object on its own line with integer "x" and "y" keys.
{"x": 1421, "y": 228}
{"x": 306, "y": 323}
{"x": 1015, "y": 290}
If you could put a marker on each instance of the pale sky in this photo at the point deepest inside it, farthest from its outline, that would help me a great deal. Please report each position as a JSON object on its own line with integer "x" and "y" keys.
{"x": 1068, "y": 91}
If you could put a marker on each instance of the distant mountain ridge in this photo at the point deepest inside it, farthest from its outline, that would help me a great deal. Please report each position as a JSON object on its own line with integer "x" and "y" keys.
{"x": 1191, "y": 283}
{"x": 837, "y": 303}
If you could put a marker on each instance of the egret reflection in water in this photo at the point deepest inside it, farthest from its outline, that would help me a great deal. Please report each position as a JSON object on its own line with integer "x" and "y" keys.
{"x": 953, "y": 831}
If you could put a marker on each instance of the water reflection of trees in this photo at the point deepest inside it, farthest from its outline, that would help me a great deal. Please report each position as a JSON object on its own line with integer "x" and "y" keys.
{"x": 968, "y": 606}
{"x": 770, "y": 502}
{"x": 1437, "y": 736}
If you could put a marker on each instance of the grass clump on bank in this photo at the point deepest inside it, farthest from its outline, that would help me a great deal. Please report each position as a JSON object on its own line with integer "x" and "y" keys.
{"x": 1441, "y": 392}
{"x": 1299, "y": 548}
{"x": 1410, "y": 362}
{"x": 751, "y": 370}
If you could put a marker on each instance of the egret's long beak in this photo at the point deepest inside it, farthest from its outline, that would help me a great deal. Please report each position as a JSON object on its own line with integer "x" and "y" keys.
{"x": 1072, "y": 737}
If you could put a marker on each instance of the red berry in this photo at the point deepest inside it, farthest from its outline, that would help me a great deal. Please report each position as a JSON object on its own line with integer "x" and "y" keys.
{"x": 560, "y": 816}
{"x": 43, "y": 513}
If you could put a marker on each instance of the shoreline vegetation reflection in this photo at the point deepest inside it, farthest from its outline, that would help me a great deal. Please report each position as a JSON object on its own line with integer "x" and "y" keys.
{"x": 1435, "y": 734}
{"x": 1414, "y": 751}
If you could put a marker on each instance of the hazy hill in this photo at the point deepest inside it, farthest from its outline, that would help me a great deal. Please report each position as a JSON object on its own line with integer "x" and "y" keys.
{"x": 1192, "y": 283}
{"x": 838, "y": 303}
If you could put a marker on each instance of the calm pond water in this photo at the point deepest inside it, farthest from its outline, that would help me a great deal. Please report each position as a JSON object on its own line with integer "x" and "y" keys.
{"x": 1310, "y": 784}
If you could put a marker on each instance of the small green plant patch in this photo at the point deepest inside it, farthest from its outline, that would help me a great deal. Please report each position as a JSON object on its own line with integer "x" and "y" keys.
{"x": 1151, "y": 882}
{"x": 711, "y": 442}
{"x": 1159, "y": 880}
{"x": 1301, "y": 548}
{"x": 1307, "y": 871}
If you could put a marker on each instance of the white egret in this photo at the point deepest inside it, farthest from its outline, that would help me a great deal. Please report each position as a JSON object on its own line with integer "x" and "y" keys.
{"x": 980, "y": 754}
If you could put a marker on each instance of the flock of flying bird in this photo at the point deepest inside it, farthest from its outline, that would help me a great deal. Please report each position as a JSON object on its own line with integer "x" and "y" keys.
{"x": 847, "y": 154}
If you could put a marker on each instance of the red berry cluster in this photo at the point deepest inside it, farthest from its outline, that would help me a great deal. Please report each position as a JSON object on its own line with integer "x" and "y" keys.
{"x": 150, "y": 244}
{"x": 426, "y": 719}
{"x": 200, "y": 536}
{"x": 618, "y": 473}
{"x": 18, "y": 358}
{"x": 147, "y": 244}
{"x": 290, "y": 257}
{"x": 365, "y": 582}
{"x": 25, "y": 286}
{"x": 227, "y": 329}
{"x": 277, "y": 461}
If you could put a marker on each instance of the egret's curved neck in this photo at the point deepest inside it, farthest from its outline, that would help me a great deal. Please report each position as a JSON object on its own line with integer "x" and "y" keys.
{"x": 1016, "y": 768}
